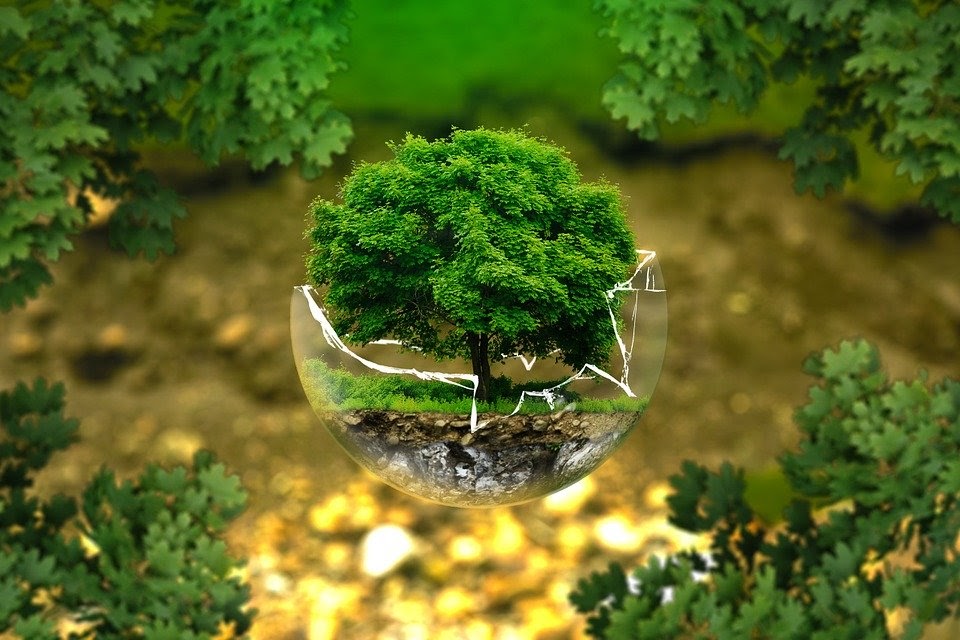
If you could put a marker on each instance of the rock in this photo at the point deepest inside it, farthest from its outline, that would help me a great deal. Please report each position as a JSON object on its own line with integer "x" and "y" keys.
{"x": 234, "y": 332}
{"x": 276, "y": 583}
{"x": 384, "y": 548}
{"x": 571, "y": 499}
{"x": 655, "y": 496}
{"x": 453, "y": 603}
{"x": 179, "y": 444}
{"x": 617, "y": 533}
{"x": 506, "y": 460}
{"x": 113, "y": 337}
{"x": 465, "y": 548}
{"x": 25, "y": 345}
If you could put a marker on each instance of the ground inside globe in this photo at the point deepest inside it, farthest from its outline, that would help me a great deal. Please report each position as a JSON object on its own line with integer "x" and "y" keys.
{"x": 510, "y": 459}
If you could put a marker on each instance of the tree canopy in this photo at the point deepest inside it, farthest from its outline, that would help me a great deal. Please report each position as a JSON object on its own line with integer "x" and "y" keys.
{"x": 480, "y": 245}
{"x": 886, "y": 69}
{"x": 84, "y": 85}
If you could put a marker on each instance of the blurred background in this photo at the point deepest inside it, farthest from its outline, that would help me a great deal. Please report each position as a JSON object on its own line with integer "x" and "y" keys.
{"x": 193, "y": 351}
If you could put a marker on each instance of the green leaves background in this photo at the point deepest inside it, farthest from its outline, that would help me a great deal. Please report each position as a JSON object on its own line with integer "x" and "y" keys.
{"x": 884, "y": 68}
{"x": 872, "y": 529}
{"x": 84, "y": 86}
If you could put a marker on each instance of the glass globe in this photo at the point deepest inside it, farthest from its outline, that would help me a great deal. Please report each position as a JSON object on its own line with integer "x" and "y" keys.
{"x": 417, "y": 423}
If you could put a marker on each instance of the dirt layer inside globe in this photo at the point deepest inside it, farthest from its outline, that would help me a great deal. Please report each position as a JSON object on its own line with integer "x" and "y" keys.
{"x": 509, "y": 459}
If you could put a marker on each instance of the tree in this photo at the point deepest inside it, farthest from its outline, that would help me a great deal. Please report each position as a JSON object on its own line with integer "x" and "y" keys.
{"x": 867, "y": 547}
{"x": 478, "y": 246}
{"x": 888, "y": 68}
{"x": 84, "y": 85}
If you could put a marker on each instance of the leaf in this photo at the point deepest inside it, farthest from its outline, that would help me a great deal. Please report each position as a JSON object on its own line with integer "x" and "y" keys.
{"x": 948, "y": 163}
{"x": 14, "y": 249}
{"x": 12, "y": 22}
{"x": 818, "y": 177}
{"x": 137, "y": 71}
{"x": 850, "y": 358}
{"x": 842, "y": 564}
{"x": 684, "y": 504}
{"x": 331, "y": 138}
{"x": 35, "y": 627}
{"x": 164, "y": 559}
{"x": 213, "y": 555}
{"x": 225, "y": 491}
{"x": 107, "y": 44}
{"x": 807, "y": 12}
{"x": 914, "y": 166}
{"x": 944, "y": 195}
{"x": 594, "y": 590}
{"x": 841, "y": 10}
{"x": 131, "y": 12}
{"x": 38, "y": 571}
{"x": 11, "y": 597}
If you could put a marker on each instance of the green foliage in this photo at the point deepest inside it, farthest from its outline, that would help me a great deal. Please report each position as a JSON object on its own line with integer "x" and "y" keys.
{"x": 135, "y": 559}
{"x": 482, "y": 244}
{"x": 84, "y": 83}
{"x": 886, "y": 67}
{"x": 339, "y": 390}
{"x": 884, "y": 455}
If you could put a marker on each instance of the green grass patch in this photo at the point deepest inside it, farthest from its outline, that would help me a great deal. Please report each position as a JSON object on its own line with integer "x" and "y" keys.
{"x": 339, "y": 390}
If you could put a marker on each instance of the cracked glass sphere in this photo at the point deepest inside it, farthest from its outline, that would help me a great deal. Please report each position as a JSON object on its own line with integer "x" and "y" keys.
{"x": 477, "y": 431}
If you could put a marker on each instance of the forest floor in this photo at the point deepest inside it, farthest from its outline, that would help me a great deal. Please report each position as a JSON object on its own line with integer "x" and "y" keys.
{"x": 192, "y": 351}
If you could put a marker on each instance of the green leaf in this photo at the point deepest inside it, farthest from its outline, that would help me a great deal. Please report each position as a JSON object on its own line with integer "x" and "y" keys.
{"x": 131, "y": 12}
{"x": 595, "y": 589}
{"x": 944, "y": 195}
{"x": 807, "y": 12}
{"x": 137, "y": 71}
{"x": 11, "y": 21}
{"x": 319, "y": 147}
{"x": 913, "y": 166}
{"x": 14, "y": 249}
{"x": 225, "y": 491}
{"x": 36, "y": 570}
{"x": 11, "y": 597}
{"x": 165, "y": 560}
{"x": 850, "y": 358}
{"x": 842, "y": 564}
{"x": 35, "y": 627}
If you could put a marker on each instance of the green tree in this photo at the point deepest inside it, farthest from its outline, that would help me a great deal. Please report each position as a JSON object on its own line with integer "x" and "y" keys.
{"x": 483, "y": 244}
{"x": 885, "y": 67}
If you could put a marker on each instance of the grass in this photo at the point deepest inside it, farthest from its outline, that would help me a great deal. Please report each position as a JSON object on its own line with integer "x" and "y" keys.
{"x": 339, "y": 390}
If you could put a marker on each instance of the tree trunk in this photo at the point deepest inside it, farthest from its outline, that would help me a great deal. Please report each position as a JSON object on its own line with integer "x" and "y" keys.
{"x": 479, "y": 344}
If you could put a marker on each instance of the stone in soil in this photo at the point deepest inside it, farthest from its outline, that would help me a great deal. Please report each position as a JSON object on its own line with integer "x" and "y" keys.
{"x": 509, "y": 460}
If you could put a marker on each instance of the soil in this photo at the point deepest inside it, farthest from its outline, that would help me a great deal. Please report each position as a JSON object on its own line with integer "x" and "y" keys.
{"x": 507, "y": 459}
{"x": 193, "y": 351}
